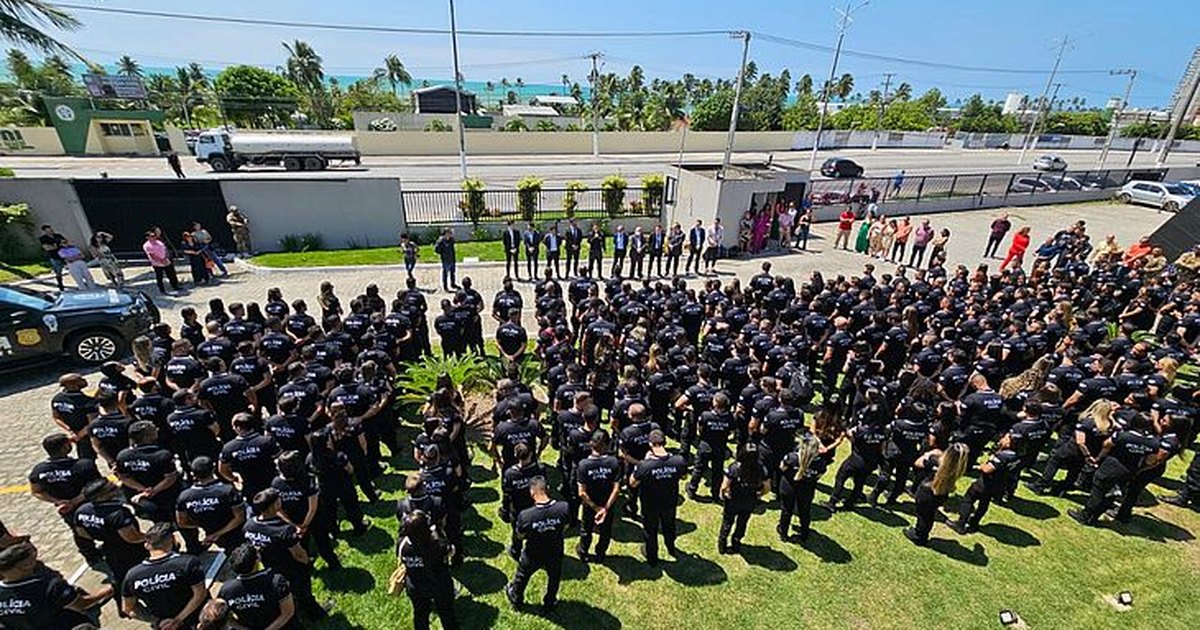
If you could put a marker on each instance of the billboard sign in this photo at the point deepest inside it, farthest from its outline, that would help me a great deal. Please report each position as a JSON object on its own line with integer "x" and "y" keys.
{"x": 114, "y": 86}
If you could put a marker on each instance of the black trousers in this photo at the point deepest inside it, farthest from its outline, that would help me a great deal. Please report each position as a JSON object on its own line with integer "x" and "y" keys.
{"x": 1066, "y": 457}
{"x": 596, "y": 266}
{"x": 167, "y": 272}
{"x": 672, "y": 266}
{"x": 992, "y": 245}
{"x": 898, "y": 251}
{"x": 656, "y": 518}
{"x": 1191, "y": 482}
{"x": 655, "y": 263}
{"x": 1111, "y": 474}
{"x": 512, "y": 264}
{"x": 918, "y": 256}
{"x": 299, "y": 578}
{"x": 975, "y": 503}
{"x": 735, "y": 520}
{"x": 692, "y": 259}
{"x": 1136, "y": 486}
{"x": 618, "y": 262}
{"x": 856, "y": 468}
{"x": 423, "y": 607}
{"x": 572, "y": 261}
{"x": 330, "y": 494}
{"x": 893, "y": 474}
{"x": 795, "y": 498}
{"x": 588, "y": 526}
{"x": 636, "y": 266}
{"x": 530, "y": 564}
{"x": 552, "y": 262}
{"x": 927, "y": 507}
{"x": 709, "y": 459}
{"x": 531, "y": 264}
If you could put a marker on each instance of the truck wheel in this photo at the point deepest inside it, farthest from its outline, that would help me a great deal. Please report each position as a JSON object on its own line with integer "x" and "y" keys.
{"x": 96, "y": 346}
{"x": 291, "y": 164}
{"x": 218, "y": 164}
{"x": 314, "y": 164}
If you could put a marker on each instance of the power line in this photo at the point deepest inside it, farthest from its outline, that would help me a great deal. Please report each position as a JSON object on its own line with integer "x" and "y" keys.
{"x": 382, "y": 29}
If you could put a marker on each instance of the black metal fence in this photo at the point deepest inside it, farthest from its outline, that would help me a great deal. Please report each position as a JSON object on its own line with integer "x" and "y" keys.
{"x": 917, "y": 188}
{"x": 453, "y": 207}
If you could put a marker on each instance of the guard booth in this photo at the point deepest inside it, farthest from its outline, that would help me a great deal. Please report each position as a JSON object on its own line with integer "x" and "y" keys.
{"x": 85, "y": 130}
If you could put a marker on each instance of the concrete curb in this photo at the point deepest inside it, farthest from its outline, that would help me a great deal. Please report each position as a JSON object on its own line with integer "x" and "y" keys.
{"x": 251, "y": 267}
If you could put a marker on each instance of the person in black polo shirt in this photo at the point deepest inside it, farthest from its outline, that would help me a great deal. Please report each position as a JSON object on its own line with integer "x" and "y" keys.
{"x": 714, "y": 427}
{"x": 194, "y": 429}
{"x": 515, "y": 485}
{"x": 745, "y": 481}
{"x": 450, "y": 330}
{"x": 299, "y": 504}
{"x": 249, "y": 458}
{"x": 542, "y": 526}
{"x": 167, "y": 589}
{"x": 60, "y": 480}
{"x": 512, "y": 338}
{"x": 1124, "y": 454}
{"x": 213, "y": 505}
{"x": 107, "y": 519}
{"x": 259, "y": 598}
{"x": 225, "y": 394}
{"x": 657, "y": 479}
{"x": 278, "y": 542}
{"x": 980, "y": 415}
{"x": 992, "y": 484}
{"x": 257, "y": 372}
{"x": 36, "y": 597}
{"x": 426, "y": 558}
{"x": 73, "y": 411}
{"x": 109, "y": 431}
{"x": 148, "y": 474}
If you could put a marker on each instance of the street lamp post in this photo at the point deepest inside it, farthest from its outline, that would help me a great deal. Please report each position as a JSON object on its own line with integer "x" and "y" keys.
{"x": 1112, "y": 132}
{"x": 1031, "y": 139}
{"x": 843, "y": 24}
{"x": 737, "y": 99}
{"x": 458, "y": 99}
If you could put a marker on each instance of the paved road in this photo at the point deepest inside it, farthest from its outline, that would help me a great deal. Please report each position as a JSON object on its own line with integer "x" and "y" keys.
{"x": 24, "y": 397}
{"x": 432, "y": 172}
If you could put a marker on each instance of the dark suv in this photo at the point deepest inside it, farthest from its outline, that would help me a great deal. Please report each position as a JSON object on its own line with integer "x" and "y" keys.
{"x": 90, "y": 326}
{"x": 837, "y": 168}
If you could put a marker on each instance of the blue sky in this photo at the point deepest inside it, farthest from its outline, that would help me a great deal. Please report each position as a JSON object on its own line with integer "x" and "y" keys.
{"x": 1104, "y": 34}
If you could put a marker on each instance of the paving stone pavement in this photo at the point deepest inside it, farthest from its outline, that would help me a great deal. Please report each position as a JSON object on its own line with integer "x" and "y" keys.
{"x": 24, "y": 397}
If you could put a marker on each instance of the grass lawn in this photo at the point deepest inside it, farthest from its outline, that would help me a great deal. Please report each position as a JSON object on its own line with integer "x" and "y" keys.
{"x": 483, "y": 250}
{"x": 858, "y": 571}
{"x": 22, "y": 271}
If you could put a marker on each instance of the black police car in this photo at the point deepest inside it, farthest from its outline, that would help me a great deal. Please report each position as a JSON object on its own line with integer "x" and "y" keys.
{"x": 90, "y": 326}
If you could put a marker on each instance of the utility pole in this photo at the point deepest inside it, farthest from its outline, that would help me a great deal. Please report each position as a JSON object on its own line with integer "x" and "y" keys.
{"x": 458, "y": 99}
{"x": 843, "y": 24}
{"x": 1177, "y": 119}
{"x": 1112, "y": 132}
{"x": 1137, "y": 143}
{"x": 1037, "y": 116}
{"x": 737, "y": 98}
{"x": 594, "y": 77}
{"x": 887, "y": 82}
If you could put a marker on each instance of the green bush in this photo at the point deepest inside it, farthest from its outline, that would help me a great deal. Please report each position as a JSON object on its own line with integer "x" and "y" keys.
{"x": 529, "y": 194}
{"x": 6, "y": 172}
{"x": 613, "y": 193}
{"x": 16, "y": 221}
{"x": 546, "y": 125}
{"x": 653, "y": 188}
{"x": 470, "y": 372}
{"x": 516, "y": 124}
{"x": 307, "y": 242}
{"x": 473, "y": 203}
{"x": 438, "y": 124}
{"x": 570, "y": 200}
{"x": 429, "y": 236}
{"x": 482, "y": 234}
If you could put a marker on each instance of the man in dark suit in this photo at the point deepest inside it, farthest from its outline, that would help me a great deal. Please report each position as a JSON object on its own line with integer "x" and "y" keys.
{"x": 596, "y": 252}
{"x": 533, "y": 245}
{"x": 573, "y": 240}
{"x": 695, "y": 245}
{"x": 658, "y": 243}
{"x": 512, "y": 249}
{"x": 620, "y": 246}
{"x": 553, "y": 245}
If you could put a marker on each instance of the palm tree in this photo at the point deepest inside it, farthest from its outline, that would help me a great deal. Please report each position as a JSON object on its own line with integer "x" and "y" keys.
{"x": 189, "y": 89}
{"x": 22, "y": 21}
{"x": 303, "y": 67}
{"x": 903, "y": 92}
{"x": 844, "y": 86}
{"x": 394, "y": 72}
{"x": 504, "y": 82}
{"x": 566, "y": 81}
{"x": 126, "y": 66}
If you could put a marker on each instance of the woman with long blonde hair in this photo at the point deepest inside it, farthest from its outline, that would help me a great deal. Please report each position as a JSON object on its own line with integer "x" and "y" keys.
{"x": 942, "y": 469}
{"x": 1078, "y": 448}
{"x": 800, "y": 470}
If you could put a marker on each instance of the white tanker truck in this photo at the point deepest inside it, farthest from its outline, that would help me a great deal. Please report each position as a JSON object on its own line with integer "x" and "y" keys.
{"x": 229, "y": 150}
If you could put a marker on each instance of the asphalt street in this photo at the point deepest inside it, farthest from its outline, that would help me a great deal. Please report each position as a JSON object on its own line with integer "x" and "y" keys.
{"x": 500, "y": 171}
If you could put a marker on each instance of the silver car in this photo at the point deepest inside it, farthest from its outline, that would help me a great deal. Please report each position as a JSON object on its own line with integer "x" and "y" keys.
{"x": 1049, "y": 163}
{"x": 1162, "y": 195}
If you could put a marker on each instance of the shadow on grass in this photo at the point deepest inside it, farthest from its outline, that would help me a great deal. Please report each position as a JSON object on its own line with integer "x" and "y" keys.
{"x": 954, "y": 550}
{"x": 373, "y": 541}
{"x": 480, "y": 474}
{"x": 575, "y": 569}
{"x": 479, "y": 546}
{"x": 471, "y": 612}
{"x": 1152, "y": 528}
{"x": 1174, "y": 485}
{"x": 879, "y": 515}
{"x": 480, "y": 578}
{"x": 474, "y": 521}
{"x": 695, "y": 570}
{"x": 1032, "y": 509}
{"x": 826, "y": 548}
{"x": 627, "y": 530}
{"x": 1009, "y": 535}
{"x": 347, "y": 579}
{"x": 337, "y": 620}
{"x": 570, "y": 613}
{"x": 768, "y": 558}
{"x": 482, "y": 495}
{"x": 630, "y": 569}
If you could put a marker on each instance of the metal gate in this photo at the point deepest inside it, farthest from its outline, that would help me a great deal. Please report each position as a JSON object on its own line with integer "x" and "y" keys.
{"x": 127, "y": 208}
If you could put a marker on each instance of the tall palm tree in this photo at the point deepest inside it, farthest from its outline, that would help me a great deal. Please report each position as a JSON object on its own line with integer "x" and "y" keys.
{"x": 394, "y": 72}
{"x": 303, "y": 65}
{"x": 189, "y": 89}
{"x": 128, "y": 67}
{"x": 22, "y": 22}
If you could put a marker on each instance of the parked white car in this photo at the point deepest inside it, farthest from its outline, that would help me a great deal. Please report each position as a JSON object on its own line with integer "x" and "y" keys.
{"x": 1049, "y": 163}
{"x": 1167, "y": 196}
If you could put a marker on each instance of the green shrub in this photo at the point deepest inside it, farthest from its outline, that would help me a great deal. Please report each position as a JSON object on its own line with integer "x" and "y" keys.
{"x": 470, "y": 372}
{"x": 355, "y": 242}
{"x": 570, "y": 200}
{"x": 429, "y": 235}
{"x": 516, "y": 124}
{"x": 307, "y": 242}
{"x": 473, "y": 203}
{"x": 546, "y": 125}
{"x": 529, "y": 194}
{"x": 6, "y": 172}
{"x": 438, "y": 124}
{"x": 482, "y": 234}
{"x": 653, "y": 188}
{"x": 613, "y": 193}
{"x": 16, "y": 221}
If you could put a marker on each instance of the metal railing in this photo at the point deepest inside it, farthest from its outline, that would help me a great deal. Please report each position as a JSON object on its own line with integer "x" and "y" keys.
{"x": 452, "y": 207}
{"x": 918, "y": 188}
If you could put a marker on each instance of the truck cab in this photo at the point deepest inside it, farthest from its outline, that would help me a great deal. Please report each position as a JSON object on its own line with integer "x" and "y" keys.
{"x": 214, "y": 148}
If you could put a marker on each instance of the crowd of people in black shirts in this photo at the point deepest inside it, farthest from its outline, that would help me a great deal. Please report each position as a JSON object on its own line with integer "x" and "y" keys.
{"x": 923, "y": 377}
